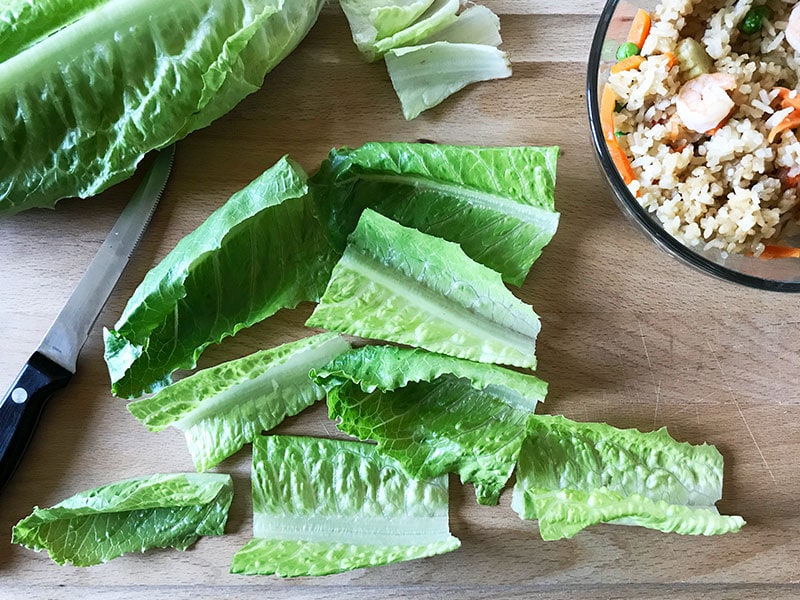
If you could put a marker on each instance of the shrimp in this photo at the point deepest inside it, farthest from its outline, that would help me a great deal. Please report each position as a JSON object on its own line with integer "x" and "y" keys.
{"x": 703, "y": 102}
{"x": 793, "y": 28}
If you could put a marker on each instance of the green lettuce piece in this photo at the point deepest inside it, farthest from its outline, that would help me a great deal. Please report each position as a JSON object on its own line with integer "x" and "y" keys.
{"x": 398, "y": 284}
{"x": 260, "y": 252}
{"x": 426, "y": 75}
{"x": 497, "y": 203}
{"x": 225, "y": 407}
{"x": 158, "y": 511}
{"x": 572, "y": 475}
{"x": 475, "y": 25}
{"x": 325, "y": 506}
{"x": 444, "y": 414}
{"x": 380, "y": 25}
{"x": 88, "y": 87}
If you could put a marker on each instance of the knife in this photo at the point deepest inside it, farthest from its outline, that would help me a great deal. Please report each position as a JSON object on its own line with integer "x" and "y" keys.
{"x": 53, "y": 363}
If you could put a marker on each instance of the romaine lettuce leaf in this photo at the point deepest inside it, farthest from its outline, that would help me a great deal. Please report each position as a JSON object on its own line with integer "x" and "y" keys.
{"x": 398, "y": 284}
{"x": 497, "y": 203}
{"x": 87, "y": 87}
{"x": 380, "y": 25}
{"x": 324, "y": 506}
{"x": 158, "y": 511}
{"x": 225, "y": 407}
{"x": 572, "y": 475}
{"x": 260, "y": 252}
{"x": 445, "y": 414}
{"x": 426, "y": 75}
{"x": 476, "y": 24}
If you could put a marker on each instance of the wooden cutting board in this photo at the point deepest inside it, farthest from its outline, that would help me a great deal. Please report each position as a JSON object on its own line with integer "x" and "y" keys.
{"x": 629, "y": 336}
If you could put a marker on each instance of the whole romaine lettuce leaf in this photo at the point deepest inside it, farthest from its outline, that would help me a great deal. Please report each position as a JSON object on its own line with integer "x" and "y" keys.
{"x": 260, "y": 252}
{"x": 498, "y": 204}
{"x": 225, "y": 407}
{"x": 158, "y": 511}
{"x": 397, "y": 284}
{"x": 572, "y": 475}
{"x": 325, "y": 506}
{"x": 87, "y": 87}
{"x": 434, "y": 413}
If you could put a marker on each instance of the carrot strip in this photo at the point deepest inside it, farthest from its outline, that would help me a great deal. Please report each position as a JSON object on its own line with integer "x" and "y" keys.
{"x": 628, "y": 64}
{"x": 640, "y": 28}
{"x": 789, "y": 122}
{"x": 780, "y": 252}
{"x": 621, "y": 161}
{"x": 608, "y": 103}
{"x": 789, "y": 98}
{"x": 671, "y": 59}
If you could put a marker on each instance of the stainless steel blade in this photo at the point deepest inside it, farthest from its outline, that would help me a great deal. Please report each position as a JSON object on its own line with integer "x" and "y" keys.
{"x": 63, "y": 341}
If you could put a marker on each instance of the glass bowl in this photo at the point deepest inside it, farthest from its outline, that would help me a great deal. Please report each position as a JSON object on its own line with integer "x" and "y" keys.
{"x": 775, "y": 274}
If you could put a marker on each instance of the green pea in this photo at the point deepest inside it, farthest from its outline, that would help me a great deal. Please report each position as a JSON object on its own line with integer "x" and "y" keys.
{"x": 627, "y": 50}
{"x": 753, "y": 20}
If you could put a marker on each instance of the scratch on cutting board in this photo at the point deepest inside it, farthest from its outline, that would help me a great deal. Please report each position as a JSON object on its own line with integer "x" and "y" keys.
{"x": 646, "y": 353}
{"x": 656, "y": 385}
{"x": 658, "y": 401}
{"x": 739, "y": 409}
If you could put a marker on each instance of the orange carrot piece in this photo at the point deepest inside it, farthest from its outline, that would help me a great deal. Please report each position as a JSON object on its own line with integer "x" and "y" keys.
{"x": 628, "y": 64}
{"x": 608, "y": 103}
{"x": 780, "y": 252}
{"x": 791, "y": 121}
{"x": 621, "y": 161}
{"x": 671, "y": 59}
{"x": 640, "y": 28}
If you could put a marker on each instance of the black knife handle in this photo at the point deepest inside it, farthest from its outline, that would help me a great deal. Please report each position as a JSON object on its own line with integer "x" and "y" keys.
{"x": 22, "y": 405}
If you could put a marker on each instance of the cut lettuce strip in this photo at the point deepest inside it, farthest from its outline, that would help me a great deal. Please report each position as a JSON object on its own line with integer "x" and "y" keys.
{"x": 380, "y": 25}
{"x": 158, "y": 511}
{"x": 225, "y": 407}
{"x": 326, "y": 506}
{"x": 572, "y": 475}
{"x": 426, "y": 75}
{"x": 444, "y": 414}
{"x": 88, "y": 87}
{"x": 260, "y": 252}
{"x": 398, "y": 284}
{"x": 498, "y": 204}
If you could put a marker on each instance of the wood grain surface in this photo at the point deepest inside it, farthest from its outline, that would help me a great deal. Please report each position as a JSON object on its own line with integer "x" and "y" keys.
{"x": 629, "y": 336}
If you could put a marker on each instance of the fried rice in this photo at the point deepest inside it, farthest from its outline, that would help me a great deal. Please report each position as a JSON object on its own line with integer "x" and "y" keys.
{"x": 728, "y": 188}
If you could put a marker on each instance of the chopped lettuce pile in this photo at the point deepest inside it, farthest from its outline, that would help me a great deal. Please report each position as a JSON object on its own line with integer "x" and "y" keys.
{"x": 324, "y": 506}
{"x": 432, "y": 48}
{"x": 88, "y": 87}
{"x": 133, "y": 515}
{"x": 396, "y": 242}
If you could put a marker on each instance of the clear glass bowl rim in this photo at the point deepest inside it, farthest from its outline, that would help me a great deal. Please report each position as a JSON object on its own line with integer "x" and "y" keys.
{"x": 625, "y": 200}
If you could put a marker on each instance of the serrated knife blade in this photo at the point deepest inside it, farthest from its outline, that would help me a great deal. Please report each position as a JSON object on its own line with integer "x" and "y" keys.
{"x": 54, "y": 362}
